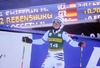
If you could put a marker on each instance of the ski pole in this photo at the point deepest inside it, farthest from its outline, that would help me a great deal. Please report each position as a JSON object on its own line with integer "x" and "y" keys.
{"x": 23, "y": 53}
{"x": 81, "y": 57}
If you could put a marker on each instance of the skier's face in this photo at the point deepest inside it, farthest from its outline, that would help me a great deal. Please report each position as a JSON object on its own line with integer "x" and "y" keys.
{"x": 56, "y": 25}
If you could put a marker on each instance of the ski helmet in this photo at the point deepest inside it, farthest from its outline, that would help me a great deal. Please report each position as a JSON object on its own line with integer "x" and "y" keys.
{"x": 60, "y": 20}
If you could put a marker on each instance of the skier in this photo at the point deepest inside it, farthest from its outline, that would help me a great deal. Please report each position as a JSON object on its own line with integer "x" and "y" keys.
{"x": 56, "y": 38}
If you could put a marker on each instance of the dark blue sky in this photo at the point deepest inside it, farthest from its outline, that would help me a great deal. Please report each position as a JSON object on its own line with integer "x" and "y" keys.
{"x": 12, "y": 4}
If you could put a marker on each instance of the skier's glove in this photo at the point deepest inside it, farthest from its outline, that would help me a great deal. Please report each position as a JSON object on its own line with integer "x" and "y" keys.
{"x": 82, "y": 44}
{"x": 27, "y": 40}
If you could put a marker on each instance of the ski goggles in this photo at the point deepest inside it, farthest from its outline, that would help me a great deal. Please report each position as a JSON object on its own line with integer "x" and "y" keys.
{"x": 57, "y": 21}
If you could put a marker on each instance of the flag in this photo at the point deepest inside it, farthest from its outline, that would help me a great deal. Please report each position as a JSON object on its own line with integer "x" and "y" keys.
{"x": 71, "y": 12}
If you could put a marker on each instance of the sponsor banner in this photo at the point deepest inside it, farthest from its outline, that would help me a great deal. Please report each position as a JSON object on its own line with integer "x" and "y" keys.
{"x": 35, "y": 57}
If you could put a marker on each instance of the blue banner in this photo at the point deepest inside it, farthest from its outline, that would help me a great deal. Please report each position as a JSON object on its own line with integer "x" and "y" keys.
{"x": 43, "y": 15}
{"x": 90, "y": 55}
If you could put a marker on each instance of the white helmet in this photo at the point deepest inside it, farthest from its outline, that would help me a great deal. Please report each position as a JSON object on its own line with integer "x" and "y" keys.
{"x": 60, "y": 20}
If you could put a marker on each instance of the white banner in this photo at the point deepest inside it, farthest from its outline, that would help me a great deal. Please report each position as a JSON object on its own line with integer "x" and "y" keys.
{"x": 11, "y": 50}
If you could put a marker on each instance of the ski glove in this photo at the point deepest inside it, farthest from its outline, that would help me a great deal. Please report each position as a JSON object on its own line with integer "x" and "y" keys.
{"x": 27, "y": 40}
{"x": 81, "y": 44}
